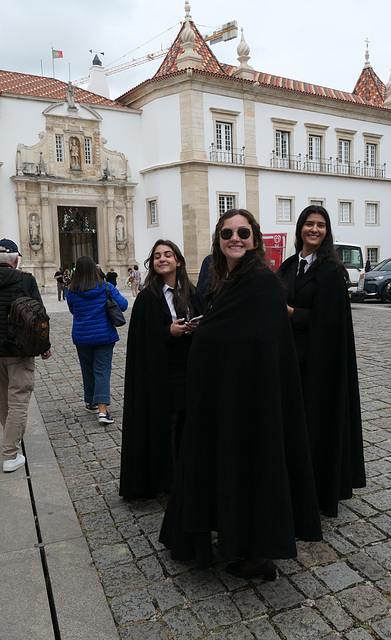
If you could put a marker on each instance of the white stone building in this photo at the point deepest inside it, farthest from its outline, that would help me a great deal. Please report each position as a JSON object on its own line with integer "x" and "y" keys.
{"x": 82, "y": 173}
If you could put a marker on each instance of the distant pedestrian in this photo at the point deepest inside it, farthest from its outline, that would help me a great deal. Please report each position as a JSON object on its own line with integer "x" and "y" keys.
{"x": 101, "y": 273}
{"x": 59, "y": 276}
{"x": 93, "y": 334}
{"x": 67, "y": 279}
{"x": 204, "y": 283}
{"x": 112, "y": 277}
{"x": 16, "y": 373}
{"x": 135, "y": 279}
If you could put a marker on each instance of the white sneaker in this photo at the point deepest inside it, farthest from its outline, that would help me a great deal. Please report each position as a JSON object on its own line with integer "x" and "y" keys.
{"x": 12, "y": 465}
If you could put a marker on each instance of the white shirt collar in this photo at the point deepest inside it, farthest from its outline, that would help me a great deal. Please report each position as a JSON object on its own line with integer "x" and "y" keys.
{"x": 309, "y": 259}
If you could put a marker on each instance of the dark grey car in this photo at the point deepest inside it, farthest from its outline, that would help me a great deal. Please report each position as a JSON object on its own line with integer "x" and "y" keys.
{"x": 377, "y": 283}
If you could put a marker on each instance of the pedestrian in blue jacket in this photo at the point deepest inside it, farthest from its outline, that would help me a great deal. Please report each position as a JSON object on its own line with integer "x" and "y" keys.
{"x": 93, "y": 334}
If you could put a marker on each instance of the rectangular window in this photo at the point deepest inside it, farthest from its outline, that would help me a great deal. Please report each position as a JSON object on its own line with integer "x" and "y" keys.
{"x": 345, "y": 212}
{"x": 284, "y": 210}
{"x": 372, "y": 255}
{"x": 282, "y": 149}
{"x": 88, "y": 150}
{"x": 153, "y": 219}
{"x": 317, "y": 203}
{"x": 371, "y": 213}
{"x": 225, "y": 203}
{"x": 344, "y": 151}
{"x": 224, "y": 141}
{"x": 314, "y": 149}
{"x": 371, "y": 155}
{"x": 59, "y": 148}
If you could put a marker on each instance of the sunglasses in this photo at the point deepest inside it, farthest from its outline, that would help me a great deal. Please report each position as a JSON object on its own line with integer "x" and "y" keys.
{"x": 243, "y": 233}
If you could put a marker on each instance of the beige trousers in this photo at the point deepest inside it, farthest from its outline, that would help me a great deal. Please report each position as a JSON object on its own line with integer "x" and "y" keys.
{"x": 16, "y": 385}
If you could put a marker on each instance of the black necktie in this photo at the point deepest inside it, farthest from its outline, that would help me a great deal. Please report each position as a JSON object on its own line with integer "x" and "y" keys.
{"x": 177, "y": 305}
{"x": 302, "y": 266}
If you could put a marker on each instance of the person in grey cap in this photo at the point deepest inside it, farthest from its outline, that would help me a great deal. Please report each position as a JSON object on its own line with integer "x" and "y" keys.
{"x": 16, "y": 373}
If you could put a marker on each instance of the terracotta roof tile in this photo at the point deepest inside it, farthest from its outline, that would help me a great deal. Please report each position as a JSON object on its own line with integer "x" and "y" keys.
{"x": 38, "y": 86}
{"x": 268, "y": 80}
{"x": 209, "y": 60}
{"x": 370, "y": 87}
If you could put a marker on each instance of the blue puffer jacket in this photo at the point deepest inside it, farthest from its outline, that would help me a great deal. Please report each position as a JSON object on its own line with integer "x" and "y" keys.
{"x": 90, "y": 321}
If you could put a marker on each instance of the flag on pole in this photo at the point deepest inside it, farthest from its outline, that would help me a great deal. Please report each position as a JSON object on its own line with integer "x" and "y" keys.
{"x": 57, "y": 54}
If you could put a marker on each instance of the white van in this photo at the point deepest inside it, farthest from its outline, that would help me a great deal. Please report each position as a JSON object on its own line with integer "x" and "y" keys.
{"x": 351, "y": 256}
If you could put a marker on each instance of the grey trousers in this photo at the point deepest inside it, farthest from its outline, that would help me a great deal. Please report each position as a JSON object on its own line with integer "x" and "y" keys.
{"x": 16, "y": 386}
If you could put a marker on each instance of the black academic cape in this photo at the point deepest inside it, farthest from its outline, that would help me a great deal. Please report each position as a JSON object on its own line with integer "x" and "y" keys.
{"x": 146, "y": 457}
{"x": 323, "y": 332}
{"x": 244, "y": 468}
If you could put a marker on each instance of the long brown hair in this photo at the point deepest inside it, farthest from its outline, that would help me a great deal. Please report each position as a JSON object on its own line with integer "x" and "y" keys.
{"x": 86, "y": 275}
{"x": 183, "y": 289}
{"x": 254, "y": 257}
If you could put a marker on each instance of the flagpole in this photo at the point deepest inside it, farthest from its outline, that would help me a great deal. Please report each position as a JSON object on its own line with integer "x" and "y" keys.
{"x": 53, "y": 63}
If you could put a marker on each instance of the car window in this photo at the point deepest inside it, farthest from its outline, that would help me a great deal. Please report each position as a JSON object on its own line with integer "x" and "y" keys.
{"x": 383, "y": 266}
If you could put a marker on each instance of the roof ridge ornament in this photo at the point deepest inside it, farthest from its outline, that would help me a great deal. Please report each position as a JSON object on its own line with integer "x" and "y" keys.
{"x": 367, "y": 63}
{"x": 244, "y": 70}
{"x": 189, "y": 58}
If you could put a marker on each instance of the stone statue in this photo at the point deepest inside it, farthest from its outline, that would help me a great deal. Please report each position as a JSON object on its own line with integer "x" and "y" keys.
{"x": 34, "y": 229}
{"x": 71, "y": 96}
{"x": 119, "y": 230}
{"x": 75, "y": 153}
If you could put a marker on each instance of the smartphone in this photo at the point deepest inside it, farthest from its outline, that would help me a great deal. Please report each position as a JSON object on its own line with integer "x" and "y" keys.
{"x": 196, "y": 319}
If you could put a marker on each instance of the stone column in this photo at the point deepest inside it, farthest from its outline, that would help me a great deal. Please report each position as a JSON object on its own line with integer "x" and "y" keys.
{"x": 252, "y": 191}
{"x": 106, "y": 231}
{"x": 21, "y": 199}
{"x": 129, "y": 226}
{"x": 195, "y": 216}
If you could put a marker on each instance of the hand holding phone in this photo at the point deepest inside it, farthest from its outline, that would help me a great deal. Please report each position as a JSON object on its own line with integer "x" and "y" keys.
{"x": 196, "y": 319}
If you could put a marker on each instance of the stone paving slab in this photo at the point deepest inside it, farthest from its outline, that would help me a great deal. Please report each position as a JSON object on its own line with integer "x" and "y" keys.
{"x": 338, "y": 588}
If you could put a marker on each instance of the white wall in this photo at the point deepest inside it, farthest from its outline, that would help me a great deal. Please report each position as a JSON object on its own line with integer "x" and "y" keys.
{"x": 20, "y": 121}
{"x": 160, "y": 132}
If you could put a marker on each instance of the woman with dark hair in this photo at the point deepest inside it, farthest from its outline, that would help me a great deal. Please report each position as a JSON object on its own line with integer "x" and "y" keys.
{"x": 315, "y": 281}
{"x": 159, "y": 339}
{"x": 244, "y": 468}
{"x": 93, "y": 334}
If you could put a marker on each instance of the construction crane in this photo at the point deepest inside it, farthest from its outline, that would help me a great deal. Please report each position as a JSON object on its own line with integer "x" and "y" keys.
{"x": 226, "y": 32}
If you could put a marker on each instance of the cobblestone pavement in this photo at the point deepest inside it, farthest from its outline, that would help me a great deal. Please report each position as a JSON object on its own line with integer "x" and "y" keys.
{"x": 338, "y": 588}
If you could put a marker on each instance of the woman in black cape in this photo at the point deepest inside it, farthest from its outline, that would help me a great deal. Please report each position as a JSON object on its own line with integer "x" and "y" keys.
{"x": 158, "y": 345}
{"x": 320, "y": 312}
{"x": 244, "y": 468}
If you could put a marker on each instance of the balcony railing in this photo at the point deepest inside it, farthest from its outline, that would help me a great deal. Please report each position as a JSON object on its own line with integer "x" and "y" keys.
{"x": 328, "y": 165}
{"x": 285, "y": 162}
{"x": 234, "y": 156}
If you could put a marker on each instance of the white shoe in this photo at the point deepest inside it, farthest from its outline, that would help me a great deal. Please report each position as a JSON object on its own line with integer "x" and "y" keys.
{"x": 12, "y": 465}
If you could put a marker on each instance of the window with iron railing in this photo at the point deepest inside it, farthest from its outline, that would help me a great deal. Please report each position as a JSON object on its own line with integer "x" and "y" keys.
{"x": 235, "y": 156}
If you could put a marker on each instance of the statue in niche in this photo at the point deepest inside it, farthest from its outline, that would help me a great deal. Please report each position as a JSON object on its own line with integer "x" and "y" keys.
{"x": 120, "y": 230}
{"x": 120, "y": 233}
{"x": 34, "y": 230}
{"x": 75, "y": 153}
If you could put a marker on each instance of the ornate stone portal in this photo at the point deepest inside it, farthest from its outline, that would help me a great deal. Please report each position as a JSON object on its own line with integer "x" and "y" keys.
{"x": 61, "y": 181}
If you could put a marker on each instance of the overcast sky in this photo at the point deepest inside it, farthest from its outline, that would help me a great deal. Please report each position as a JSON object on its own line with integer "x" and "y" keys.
{"x": 308, "y": 40}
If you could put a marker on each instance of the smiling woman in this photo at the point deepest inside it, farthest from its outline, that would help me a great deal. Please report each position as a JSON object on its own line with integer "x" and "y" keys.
{"x": 244, "y": 468}
{"x": 315, "y": 282}
{"x": 159, "y": 339}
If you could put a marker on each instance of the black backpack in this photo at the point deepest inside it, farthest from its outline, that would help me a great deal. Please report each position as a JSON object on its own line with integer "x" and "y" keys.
{"x": 28, "y": 327}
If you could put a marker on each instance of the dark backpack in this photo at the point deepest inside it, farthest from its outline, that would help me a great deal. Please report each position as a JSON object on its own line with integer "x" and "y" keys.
{"x": 28, "y": 328}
